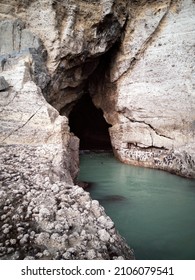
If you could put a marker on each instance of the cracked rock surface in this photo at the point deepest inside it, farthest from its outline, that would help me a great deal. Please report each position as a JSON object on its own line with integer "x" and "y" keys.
{"x": 43, "y": 215}
{"x": 135, "y": 59}
{"x": 147, "y": 92}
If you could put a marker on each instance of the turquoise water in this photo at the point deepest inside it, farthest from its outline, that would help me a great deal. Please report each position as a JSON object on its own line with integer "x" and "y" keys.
{"x": 153, "y": 210}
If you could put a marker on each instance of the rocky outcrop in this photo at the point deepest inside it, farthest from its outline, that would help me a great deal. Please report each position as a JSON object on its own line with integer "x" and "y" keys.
{"x": 26, "y": 118}
{"x": 147, "y": 92}
{"x": 42, "y": 214}
{"x": 75, "y": 34}
{"x": 135, "y": 58}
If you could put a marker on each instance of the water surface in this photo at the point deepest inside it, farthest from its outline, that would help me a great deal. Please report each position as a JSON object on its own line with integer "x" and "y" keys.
{"x": 152, "y": 209}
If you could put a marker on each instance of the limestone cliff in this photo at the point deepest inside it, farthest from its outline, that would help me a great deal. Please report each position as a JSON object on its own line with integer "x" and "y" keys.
{"x": 136, "y": 59}
{"x": 147, "y": 91}
{"x": 42, "y": 214}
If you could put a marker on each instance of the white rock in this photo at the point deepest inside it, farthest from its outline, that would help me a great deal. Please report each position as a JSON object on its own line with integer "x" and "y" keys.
{"x": 13, "y": 241}
{"x": 55, "y": 188}
{"x": 91, "y": 254}
{"x": 104, "y": 235}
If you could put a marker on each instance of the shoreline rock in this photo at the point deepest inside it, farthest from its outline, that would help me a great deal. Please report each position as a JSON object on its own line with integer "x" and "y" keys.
{"x": 41, "y": 219}
{"x": 146, "y": 87}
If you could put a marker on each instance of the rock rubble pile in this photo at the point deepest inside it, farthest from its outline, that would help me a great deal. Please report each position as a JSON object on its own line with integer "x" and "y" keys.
{"x": 42, "y": 219}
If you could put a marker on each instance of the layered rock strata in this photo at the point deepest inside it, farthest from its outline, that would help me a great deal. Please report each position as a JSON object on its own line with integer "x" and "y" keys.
{"x": 42, "y": 214}
{"x": 147, "y": 92}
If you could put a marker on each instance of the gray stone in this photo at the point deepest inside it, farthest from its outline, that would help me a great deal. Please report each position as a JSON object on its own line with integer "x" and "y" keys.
{"x": 91, "y": 255}
{"x": 39, "y": 156}
{"x": 104, "y": 235}
{"x": 148, "y": 94}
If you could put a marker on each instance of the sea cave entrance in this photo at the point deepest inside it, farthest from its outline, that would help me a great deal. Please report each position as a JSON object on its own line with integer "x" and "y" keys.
{"x": 88, "y": 124}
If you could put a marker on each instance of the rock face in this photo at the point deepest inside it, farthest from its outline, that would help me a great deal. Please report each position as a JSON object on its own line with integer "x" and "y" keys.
{"x": 42, "y": 214}
{"x": 147, "y": 93}
{"x": 27, "y": 120}
{"x": 75, "y": 34}
{"x": 135, "y": 58}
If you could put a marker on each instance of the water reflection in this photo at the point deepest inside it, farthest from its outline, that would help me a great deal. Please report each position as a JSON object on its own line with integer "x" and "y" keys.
{"x": 152, "y": 209}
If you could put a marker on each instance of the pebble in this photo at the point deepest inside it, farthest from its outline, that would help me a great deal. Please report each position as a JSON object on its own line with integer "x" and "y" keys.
{"x": 39, "y": 255}
{"x": 6, "y": 231}
{"x": 55, "y": 188}
{"x": 5, "y": 226}
{"x": 106, "y": 222}
{"x": 3, "y": 217}
{"x": 104, "y": 235}
{"x": 16, "y": 217}
{"x": 67, "y": 256}
{"x": 59, "y": 228}
{"x": 7, "y": 242}
{"x": 13, "y": 241}
{"x": 20, "y": 229}
{"x": 44, "y": 213}
{"x": 32, "y": 234}
{"x": 46, "y": 253}
{"x": 10, "y": 250}
{"x": 91, "y": 254}
{"x": 24, "y": 239}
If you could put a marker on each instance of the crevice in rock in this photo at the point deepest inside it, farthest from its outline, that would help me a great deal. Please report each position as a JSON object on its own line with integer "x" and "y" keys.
{"x": 149, "y": 148}
{"x": 21, "y": 126}
{"x": 149, "y": 125}
{"x": 159, "y": 134}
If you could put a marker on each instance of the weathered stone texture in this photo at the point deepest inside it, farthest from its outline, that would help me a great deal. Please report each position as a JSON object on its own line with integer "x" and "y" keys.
{"x": 148, "y": 93}
{"x": 42, "y": 214}
{"x": 144, "y": 85}
{"x": 42, "y": 217}
{"x": 75, "y": 34}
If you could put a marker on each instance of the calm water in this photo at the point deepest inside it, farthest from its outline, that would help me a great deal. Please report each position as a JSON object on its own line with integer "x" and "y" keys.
{"x": 153, "y": 210}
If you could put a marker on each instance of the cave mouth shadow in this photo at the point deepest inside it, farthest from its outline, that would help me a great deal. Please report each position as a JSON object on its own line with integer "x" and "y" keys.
{"x": 88, "y": 124}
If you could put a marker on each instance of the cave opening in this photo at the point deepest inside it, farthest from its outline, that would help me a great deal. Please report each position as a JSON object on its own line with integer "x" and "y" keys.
{"x": 88, "y": 124}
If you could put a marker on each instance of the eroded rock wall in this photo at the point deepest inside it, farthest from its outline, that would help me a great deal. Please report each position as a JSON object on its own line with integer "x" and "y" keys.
{"x": 147, "y": 92}
{"x": 75, "y": 34}
{"x": 42, "y": 214}
{"x": 26, "y": 118}
{"x": 138, "y": 58}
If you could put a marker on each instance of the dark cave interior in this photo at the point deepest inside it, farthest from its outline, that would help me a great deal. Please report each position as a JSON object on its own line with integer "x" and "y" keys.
{"x": 88, "y": 124}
